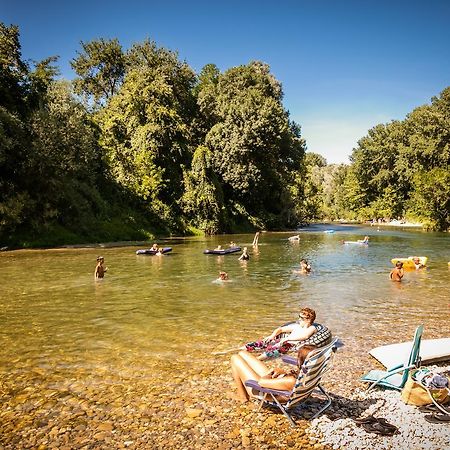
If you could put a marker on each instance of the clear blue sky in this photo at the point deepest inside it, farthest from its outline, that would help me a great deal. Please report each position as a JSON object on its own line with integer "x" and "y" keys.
{"x": 345, "y": 65}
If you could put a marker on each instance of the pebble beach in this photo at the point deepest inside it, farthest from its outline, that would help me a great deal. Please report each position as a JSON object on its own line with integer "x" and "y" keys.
{"x": 195, "y": 410}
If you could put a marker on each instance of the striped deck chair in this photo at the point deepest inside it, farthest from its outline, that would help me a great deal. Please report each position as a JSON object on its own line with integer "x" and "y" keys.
{"x": 308, "y": 381}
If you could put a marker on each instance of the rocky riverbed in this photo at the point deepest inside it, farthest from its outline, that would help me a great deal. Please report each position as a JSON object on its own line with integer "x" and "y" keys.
{"x": 101, "y": 408}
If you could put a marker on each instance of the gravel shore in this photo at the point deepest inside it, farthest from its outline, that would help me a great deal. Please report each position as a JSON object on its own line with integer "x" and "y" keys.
{"x": 414, "y": 432}
{"x": 102, "y": 410}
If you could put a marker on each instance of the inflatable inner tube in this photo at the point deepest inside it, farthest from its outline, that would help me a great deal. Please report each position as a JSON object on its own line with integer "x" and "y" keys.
{"x": 320, "y": 338}
{"x": 408, "y": 263}
{"x": 153, "y": 252}
{"x": 225, "y": 251}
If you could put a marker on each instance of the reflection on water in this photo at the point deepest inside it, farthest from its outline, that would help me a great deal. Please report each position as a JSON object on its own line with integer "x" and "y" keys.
{"x": 157, "y": 310}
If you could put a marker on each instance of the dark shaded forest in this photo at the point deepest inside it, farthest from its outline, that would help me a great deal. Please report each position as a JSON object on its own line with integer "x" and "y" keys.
{"x": 139, "y": 145}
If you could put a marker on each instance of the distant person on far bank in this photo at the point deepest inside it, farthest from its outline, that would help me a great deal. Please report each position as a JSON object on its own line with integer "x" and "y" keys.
{"x": 397, "y": 272}
{"x": 99, "y": 272}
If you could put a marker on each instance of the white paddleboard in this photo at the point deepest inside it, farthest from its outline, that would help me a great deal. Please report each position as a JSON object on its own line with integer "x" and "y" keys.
{"x": 431, "y": 350}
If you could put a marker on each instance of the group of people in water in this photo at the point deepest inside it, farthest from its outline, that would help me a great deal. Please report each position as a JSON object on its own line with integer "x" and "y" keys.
{"x": 305, "y": 267}
{"x": 398, "y": 272}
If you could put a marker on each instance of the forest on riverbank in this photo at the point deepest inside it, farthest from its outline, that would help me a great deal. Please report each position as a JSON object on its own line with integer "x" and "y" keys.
{"x": 138, "y": 145}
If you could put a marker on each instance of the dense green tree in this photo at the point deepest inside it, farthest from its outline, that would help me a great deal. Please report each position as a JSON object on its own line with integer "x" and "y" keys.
{"x": 100, "y": 67}
{"x": 203, "y": 197}
{"x": 146, "y": 127}
{"x": 13, "y": 71}
{"x": 383, "y": 180}
{"x": 60, "y": 173}
{"x": 205, "y": 92}
{"x": 431, "y": 198}
{"x": 255, "y": 147}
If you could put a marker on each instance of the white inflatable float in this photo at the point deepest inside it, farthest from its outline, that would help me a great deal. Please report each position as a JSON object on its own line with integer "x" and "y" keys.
{"x": 431, "y": 351}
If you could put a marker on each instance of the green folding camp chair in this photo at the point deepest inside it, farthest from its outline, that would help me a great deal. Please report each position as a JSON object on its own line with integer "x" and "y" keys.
{"x": 395, "y": 377}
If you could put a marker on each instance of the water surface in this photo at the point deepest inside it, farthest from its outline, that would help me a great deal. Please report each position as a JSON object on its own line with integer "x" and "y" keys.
{"x": 154, "y": 313}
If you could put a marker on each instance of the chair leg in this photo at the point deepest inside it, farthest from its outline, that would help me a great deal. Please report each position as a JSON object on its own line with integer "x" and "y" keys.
{"x": 284, "y": 411}
{"x": 328, "y": 403}
{"x": 261, "y": 403}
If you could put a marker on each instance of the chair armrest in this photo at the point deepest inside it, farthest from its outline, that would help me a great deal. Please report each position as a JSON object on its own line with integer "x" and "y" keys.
{"x": 289, "y": 360}
{"x": 399, "y": 366}
{"x": 255, "y": 385}
{"x": 391, "y": 372}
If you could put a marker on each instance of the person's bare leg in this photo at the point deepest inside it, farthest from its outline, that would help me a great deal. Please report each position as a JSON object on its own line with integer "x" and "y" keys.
{"x": 255, "y": 363}
{"x": 241, "y": 373}
{"x": 241, "y": 391}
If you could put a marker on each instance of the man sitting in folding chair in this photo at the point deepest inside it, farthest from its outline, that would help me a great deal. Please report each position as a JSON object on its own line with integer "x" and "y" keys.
{"x": 282, "y": 388}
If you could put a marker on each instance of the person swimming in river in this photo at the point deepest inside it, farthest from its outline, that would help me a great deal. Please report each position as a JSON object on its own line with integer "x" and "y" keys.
{"x": 305, "y": 267}
{"x": 294, "y": 238}
{"x": 256, "y": 239}
{"x": 219, "y": 247}
{"x": 364, "y": 241}
{"x": 99, "y": 272}
{"x": 417, "y": 264}
{"x": 233, "y": 244}
{"x": 245, "y": 256}
{"x": 223, "y": 276}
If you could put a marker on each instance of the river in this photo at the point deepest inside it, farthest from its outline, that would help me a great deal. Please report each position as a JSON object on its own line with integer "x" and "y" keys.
{"x": 152, "y": 317}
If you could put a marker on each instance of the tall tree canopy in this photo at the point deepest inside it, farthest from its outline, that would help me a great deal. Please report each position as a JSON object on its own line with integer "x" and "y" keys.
{"x": 255, "y": 147}
{"x": 146, "y": 127}
{"x": 100, "y": 67}
{"x": 158, "y": 146}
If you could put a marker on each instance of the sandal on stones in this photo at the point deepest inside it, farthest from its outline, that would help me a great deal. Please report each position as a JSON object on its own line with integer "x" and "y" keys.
{"x": 368, "y": 419}
{"x": 438, "y": 418}
{"x": 432, "y": 409}
{"x": 387, "y": 425}
{"x": 379, "y": 428}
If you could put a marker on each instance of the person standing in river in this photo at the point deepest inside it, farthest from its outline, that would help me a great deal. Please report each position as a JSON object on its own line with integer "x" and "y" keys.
{"x": 99, "y": 272}
{"x": 397, "y": 272}
{"x": 245, "y": 256}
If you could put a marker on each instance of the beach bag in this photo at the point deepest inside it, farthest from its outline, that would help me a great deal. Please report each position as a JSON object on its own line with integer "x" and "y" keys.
{"x": 420, "y": 388}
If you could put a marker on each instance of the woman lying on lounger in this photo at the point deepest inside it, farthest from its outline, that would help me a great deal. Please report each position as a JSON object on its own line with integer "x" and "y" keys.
{"x": 245, "y": 366}
{"x": 272, "y": 346}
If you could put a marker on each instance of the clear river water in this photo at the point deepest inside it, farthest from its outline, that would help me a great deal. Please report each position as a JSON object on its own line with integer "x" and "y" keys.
{"x": 152, "y": 317}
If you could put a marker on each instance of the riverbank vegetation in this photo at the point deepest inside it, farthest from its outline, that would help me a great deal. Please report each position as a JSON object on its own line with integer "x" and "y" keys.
{"x": 138, "y": 144}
